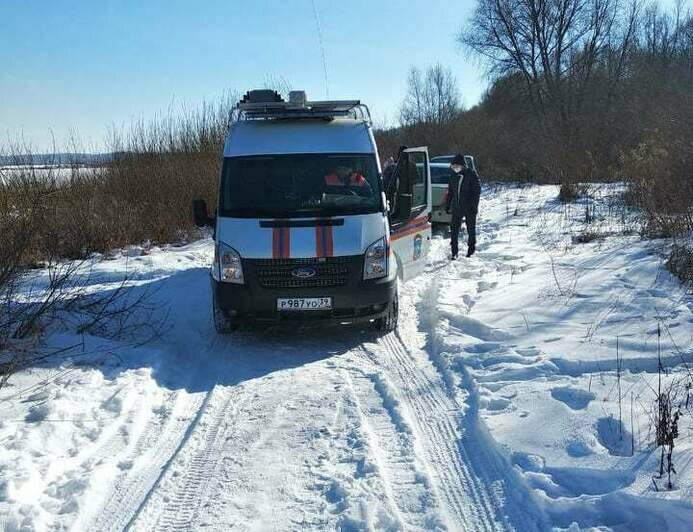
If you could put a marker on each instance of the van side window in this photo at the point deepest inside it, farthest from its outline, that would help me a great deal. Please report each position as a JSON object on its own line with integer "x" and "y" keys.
{"x": 440, "y": 175}
{"x": 417, "y": 168}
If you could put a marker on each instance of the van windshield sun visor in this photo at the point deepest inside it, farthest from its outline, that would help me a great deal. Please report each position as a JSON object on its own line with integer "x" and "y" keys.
{"x": 318, "y": 222}
{"x": 300, "y": 186}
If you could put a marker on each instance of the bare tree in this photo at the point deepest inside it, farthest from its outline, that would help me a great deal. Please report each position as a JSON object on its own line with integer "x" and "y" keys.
{"x": 431, "y": 98}
{"x": 553, "y": 44}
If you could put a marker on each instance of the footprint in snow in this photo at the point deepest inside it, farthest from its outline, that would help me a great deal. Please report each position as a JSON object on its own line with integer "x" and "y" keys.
{"x": 575, "y": 398}
{"x": 495, "y": 404}
{"x": 483, "y": 347}
{"x": 612, "y": 434}
{"x": 483, "y": 286}
{"x": 527, "y": 461}
{"x": 553, "y": 339}
{"x": 577, "y": 449}
{"x": 528, "y": 351}
{"x": 42, "y": 395}
{"x": 37, "y": 413}
{"x": 475, "y": 328}
{"x": 657, "y": 292}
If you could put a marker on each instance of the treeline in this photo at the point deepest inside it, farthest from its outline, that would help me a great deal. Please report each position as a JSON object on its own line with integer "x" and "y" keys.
{"x": 582, "y": 90}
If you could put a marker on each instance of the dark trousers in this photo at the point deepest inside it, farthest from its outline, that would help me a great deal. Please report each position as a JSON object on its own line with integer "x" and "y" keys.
{"x": 456, "y": 224}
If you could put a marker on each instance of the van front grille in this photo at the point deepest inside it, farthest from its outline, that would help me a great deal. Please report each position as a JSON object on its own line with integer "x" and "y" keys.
{"x": 285, "y": 273}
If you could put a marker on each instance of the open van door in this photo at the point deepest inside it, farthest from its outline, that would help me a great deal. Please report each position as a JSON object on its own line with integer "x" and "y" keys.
{"x": 409, "y": 195}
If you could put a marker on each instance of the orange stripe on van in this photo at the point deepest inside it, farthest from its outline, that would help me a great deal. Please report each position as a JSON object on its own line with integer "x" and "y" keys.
{"x": 276, "y": 251}
{"x": 329, "y": 242}
{"x": 324, "y": 245}
{"x": 419, "y": 224}
{"x": 319, "y": 244}
{"x": 286, "y": 242}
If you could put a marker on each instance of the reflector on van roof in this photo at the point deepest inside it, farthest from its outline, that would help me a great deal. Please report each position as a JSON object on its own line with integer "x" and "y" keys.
{"x": 269, "y": 105}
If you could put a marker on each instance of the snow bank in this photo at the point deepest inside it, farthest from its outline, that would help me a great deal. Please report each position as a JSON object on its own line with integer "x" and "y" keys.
{"x": 533, "y": 320}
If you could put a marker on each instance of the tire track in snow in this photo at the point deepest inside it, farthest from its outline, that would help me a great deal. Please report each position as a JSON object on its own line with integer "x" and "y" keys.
{"x": 499, "y": 500}
{"x": 155, "y": 447}
{"x": 175, "y": 500}
{"x": 406, "y": 486}
{"x": 273, "y": 470}
{"x": 439, "y": 434}
{"x": 439, "y": 428}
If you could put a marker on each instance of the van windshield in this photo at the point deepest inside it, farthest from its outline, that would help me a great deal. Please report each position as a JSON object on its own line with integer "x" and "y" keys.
{"x": 284, "y": 186}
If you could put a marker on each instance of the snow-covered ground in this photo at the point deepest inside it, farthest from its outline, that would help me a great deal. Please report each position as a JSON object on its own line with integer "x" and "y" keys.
{"x": 495, "y": 406}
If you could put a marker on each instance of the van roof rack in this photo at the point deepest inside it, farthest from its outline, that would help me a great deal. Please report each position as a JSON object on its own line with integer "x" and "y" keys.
{"x": 269, "y": 105}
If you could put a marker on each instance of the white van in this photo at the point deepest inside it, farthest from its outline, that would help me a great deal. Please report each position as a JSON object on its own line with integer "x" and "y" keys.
{"x": 303, "y": 228}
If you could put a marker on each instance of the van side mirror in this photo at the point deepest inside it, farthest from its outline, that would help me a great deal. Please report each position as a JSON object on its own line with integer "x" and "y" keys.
{"x": 200, "y": 215}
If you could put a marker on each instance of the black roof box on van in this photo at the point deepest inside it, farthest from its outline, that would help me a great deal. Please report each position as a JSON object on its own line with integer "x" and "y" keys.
{"x": 262, "y": 96}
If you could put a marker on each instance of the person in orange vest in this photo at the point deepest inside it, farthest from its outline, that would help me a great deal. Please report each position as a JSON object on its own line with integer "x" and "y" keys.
{"x": 346, "y": 178}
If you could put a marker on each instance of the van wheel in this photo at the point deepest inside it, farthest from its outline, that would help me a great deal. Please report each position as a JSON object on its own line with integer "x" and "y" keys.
{"x": 223, "y": 323}
{"x": 388, "y": 323}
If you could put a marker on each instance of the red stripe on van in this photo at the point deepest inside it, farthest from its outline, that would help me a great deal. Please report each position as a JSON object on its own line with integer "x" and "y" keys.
{"x": 276, "y": 235}
{"x": 324, "y": 246}
{"x": 286, "y": 243}
{"x": 329, "y": 243}
{"x": 319, "y": 245}
{"x": 415, "y": 226}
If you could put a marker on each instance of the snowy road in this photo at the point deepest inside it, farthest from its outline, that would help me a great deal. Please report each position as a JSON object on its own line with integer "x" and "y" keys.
{"x": 491, "y": 408}
{"x": 286, "y": 433}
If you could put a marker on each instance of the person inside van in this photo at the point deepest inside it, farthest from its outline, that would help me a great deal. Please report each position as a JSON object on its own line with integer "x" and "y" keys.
{"x": 343, "y": 179}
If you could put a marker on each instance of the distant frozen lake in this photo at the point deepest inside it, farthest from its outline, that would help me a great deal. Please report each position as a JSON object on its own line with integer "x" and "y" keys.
{"x": 61, "y": 172}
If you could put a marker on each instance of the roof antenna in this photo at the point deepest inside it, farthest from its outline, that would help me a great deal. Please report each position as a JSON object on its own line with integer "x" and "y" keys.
{"x": 322, "y": 48}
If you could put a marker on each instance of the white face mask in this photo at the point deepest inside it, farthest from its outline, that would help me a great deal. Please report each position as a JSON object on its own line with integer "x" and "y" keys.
{"x": 456, "y": 168}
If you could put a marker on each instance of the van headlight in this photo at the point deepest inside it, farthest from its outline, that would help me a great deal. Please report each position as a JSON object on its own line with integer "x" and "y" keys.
{"x": 227, "y": 266}
{"x": 376, "y": 260}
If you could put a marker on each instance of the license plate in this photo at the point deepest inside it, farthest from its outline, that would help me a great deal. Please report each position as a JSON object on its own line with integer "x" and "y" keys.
{"x": 304, "y": 303}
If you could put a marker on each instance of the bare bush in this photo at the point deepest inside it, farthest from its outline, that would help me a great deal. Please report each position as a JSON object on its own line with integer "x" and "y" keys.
{"x": 666, "y": 434}
{"x": 60, "y": 296}
{"x": 680, "y": 263}
{"x": 569, "y": 192}
{"x": 662, "y": 183}
{"x": 587, "y": 236}
{"x": 159, "y": 167}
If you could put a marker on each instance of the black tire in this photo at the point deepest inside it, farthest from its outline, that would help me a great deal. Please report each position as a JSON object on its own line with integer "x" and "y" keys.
{"x": 388, "y": 323}
{"x": 223, "y": 323}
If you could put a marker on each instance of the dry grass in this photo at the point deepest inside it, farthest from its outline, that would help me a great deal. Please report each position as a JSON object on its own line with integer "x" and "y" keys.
{"x": 144, "y": 193}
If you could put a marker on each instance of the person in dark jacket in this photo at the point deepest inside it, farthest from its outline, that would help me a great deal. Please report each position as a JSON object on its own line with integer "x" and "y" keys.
{"x": 464, "y": 190}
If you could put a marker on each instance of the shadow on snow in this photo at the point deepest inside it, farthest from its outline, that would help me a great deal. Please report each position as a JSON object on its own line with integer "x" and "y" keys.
{"x": 188, "y": 353}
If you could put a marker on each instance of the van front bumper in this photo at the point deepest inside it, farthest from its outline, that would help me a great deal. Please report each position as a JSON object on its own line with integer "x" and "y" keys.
{"x": 354, "y": 299}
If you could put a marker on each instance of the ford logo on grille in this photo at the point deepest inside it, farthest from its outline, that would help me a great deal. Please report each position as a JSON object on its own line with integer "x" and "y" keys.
{"x": 304, "y": 273}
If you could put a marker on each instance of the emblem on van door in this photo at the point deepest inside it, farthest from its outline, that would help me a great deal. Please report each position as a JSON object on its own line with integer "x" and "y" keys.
{"x": 418, "y": 244}
{"x": 304, "y": 273}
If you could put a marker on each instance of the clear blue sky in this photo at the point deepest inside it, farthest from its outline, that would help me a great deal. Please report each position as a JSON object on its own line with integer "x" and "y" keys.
{"x": 83, "y": 65}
